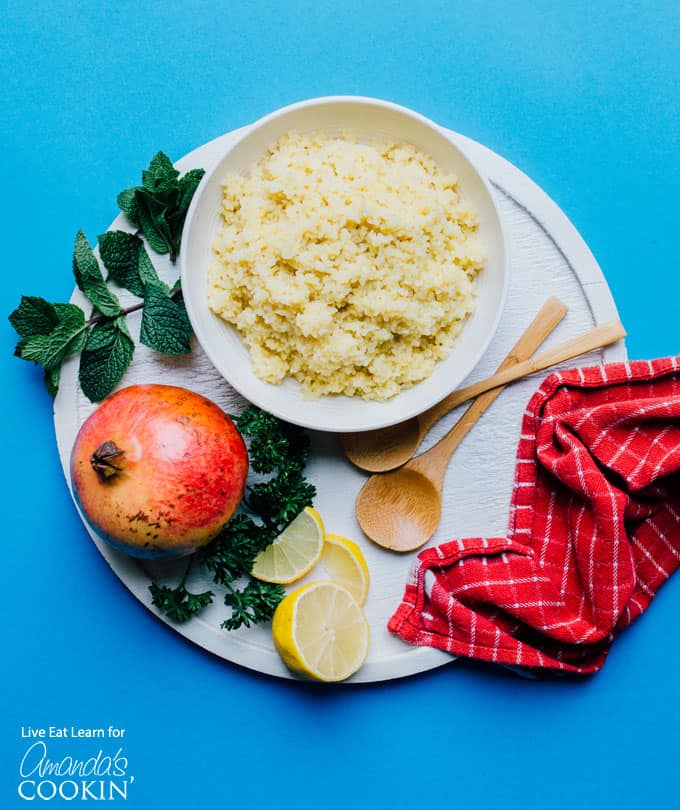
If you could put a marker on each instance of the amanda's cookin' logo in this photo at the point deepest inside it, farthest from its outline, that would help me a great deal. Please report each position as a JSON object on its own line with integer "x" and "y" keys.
{"x": 102, "y": 777}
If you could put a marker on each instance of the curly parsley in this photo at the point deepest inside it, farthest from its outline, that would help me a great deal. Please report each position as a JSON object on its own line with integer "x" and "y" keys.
{"x": 278, "y": 451}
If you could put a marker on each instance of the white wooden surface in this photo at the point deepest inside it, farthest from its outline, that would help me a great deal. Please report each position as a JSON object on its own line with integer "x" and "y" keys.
{"x": 548, "y": 258}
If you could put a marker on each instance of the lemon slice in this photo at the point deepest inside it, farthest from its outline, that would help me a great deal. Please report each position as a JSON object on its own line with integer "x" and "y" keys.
{"x": 294, "y": 551}
{"x": 320, "y": 631}
{"x": 345, "y": 563}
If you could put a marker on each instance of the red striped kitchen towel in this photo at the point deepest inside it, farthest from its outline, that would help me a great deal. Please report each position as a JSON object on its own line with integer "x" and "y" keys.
{"x": 594, "y": 528}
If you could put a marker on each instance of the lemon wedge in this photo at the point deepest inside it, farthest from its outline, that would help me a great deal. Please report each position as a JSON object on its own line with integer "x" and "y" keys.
{"x": 294, "y": 552}
{"x": 320, "y": 631}
{"x": 346, "y": 565}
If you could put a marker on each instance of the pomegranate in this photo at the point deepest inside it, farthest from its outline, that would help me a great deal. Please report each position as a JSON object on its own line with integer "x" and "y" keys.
{"x": 157, "y": 470}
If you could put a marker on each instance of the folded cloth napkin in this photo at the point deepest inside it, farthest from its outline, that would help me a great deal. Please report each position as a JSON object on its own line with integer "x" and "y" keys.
{"x": 594, "y": 528}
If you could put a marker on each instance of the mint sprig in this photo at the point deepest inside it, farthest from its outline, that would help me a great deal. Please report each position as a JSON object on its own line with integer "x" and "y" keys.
{"x": 165, "y": 324}
{"x": 105, "y": 358}
{"x": 90, "y": 280}
{"x": 120, "y": 253}
{"x": 158, "y": 207}
{"x": 51, "y": 332}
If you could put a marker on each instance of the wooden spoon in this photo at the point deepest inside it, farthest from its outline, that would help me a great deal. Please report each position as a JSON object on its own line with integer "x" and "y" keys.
{"x": 401, "y": 509}
{"x": 390, "y": 447}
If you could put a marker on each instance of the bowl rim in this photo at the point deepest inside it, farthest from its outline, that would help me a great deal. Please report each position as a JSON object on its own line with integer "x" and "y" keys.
{"x": 311, "y": 424}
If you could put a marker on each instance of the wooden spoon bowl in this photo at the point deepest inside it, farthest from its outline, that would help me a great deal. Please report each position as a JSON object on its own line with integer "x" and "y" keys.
{"x": 384, "y": 449}
{"x": 400, "y": 509}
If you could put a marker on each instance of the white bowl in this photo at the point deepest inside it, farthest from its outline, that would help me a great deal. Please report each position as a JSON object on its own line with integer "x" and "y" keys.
{"x": 368, "y": 118}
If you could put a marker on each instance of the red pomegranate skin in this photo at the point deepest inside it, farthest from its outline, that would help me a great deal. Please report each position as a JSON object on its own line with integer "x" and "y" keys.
{"x": 179, "y": 478}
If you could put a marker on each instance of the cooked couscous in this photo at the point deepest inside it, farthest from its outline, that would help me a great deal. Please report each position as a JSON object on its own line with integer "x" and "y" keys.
{"x": 348, "y": 266}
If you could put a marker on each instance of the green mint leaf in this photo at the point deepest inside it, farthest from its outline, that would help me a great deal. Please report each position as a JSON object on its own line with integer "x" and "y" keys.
{"x": 177, "y": 214}
{"x": 66, "y": 338}
{"x": 76, "y": 344}
{"x": 105, "y": 358}
{"x": 89, "y": 277}
{"x": 146, "y": 270}
{"x": 187, "y": 186}
{"x": 120, "y": 253}
{"x": 125, "y": 257}
{"x": 166, "y": 194}
{"x": 179, "y": 300}
{"x": 32, "y": 348}
{"x": 160, "y": 175}
{"x": 158, "y": 207}
{"x": 127, "y": 202}
{"x": 33, "y": 316}
{"x": 152, "y": 222}
{"x": 165, "y": 326}
{"x": 68, "y": 311}
{"x": 52, "y": 380}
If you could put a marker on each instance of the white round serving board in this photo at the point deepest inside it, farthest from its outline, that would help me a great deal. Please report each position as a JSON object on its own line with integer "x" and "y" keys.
{"x": 548, "y": 258}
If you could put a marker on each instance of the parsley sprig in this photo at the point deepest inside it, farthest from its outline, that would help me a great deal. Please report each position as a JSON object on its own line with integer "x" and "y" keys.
{"x": 51, "y": 332}
{"x": 253, "y": 604}
{"x": 280, "y": 452}
{"x": 178, "y": 603}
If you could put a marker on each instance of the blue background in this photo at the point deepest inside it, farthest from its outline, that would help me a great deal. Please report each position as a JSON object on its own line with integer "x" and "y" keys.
{"x": 583, "y": 97}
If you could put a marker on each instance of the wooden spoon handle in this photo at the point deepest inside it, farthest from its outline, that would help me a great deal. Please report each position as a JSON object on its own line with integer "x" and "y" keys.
{"x": 550, "y": 314}
{"x": 435, "y": 461}
{"x": 595, "y": 338}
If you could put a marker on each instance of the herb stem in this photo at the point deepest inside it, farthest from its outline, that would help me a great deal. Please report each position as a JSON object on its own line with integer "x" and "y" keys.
{"x": 186, "y": 572}
{"x": 127, "y": 310}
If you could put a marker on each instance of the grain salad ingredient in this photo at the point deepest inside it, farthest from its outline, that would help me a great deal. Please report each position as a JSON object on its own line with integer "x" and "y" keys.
{"x": 158, "y": 470}
{"x": 321, "y": 632}
{"x": 294, "y": 552}
{"x": 346, "y": 565}
{"x": 348, "y": 266}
